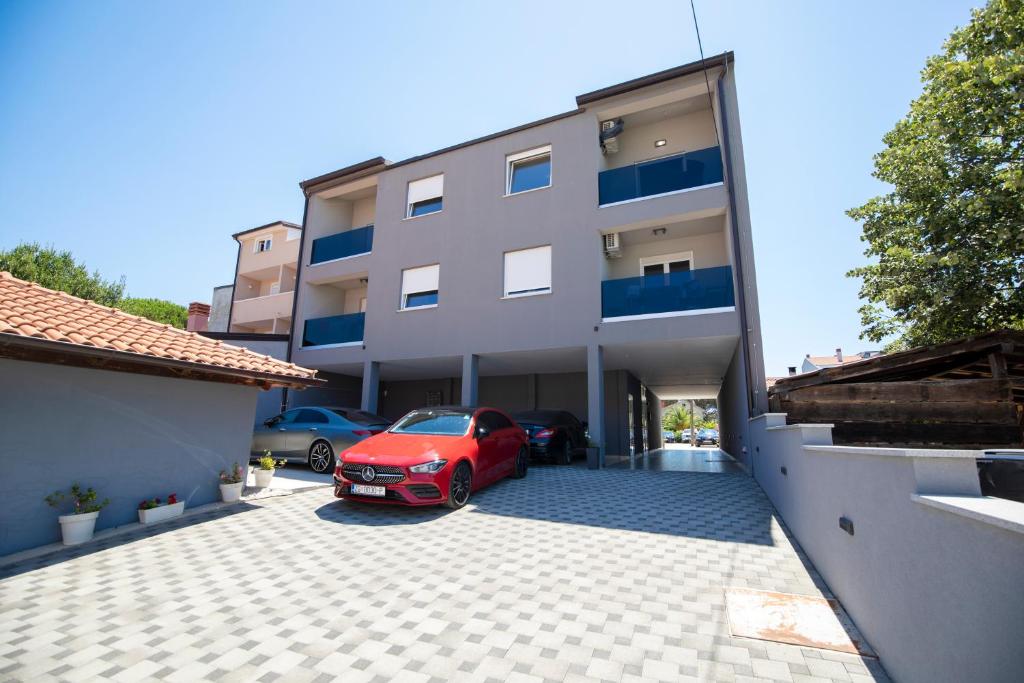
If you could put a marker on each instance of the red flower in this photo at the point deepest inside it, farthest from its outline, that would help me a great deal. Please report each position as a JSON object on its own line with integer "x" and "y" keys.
{"x": 172, "y": 499}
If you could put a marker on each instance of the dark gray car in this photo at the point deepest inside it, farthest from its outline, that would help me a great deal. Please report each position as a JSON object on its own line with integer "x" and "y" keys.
{"x": 314, "y": 435}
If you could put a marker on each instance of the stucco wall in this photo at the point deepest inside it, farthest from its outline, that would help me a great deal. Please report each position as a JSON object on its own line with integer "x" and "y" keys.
{"x": 220, "y": 308}
{"x": 128, "y": 436}
{"x": 936, "y": 594}
{"x": 733, "y": 427}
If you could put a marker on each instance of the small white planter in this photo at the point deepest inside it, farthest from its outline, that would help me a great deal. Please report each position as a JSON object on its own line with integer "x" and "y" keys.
{"x": 229, "y": 493}
{"x": 75, "y": 529}
{"x": 263, "y": 477}
{"x": 162, "y": 512}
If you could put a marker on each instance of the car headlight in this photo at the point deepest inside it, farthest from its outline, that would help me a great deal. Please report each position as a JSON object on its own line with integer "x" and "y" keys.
{"x": 429, "y": 467}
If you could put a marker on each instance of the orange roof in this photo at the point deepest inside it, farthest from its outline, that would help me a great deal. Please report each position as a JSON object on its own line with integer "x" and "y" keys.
{"x": 30, "y": 314}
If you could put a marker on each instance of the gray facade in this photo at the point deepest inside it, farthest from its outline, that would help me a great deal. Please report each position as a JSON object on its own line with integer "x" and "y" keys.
{"x": 220, "y": 308}
{"x": 507, "y": 351}
{"x": 129, "y": 436}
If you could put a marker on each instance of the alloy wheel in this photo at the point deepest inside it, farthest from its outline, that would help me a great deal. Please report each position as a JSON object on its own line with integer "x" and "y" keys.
{"x": 462, "y": 480}
{"x": 320, "y": 457}
{"x": 522, "y": 463}
{"x": 566, "y": 453}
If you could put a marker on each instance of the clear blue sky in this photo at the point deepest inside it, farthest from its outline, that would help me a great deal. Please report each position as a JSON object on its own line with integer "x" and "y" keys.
{"x": 140, "y": 135}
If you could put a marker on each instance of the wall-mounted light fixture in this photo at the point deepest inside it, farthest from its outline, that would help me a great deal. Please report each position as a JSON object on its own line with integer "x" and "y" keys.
{"x": 660, "y": 143}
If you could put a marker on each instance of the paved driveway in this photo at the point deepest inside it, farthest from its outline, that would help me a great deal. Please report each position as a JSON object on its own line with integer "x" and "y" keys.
{"x": 567, "y": 575}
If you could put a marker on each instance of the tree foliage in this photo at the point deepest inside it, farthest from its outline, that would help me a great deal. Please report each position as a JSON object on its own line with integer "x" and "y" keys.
{"x": 948, "y": 240}
{"x": 59, "y": 270}
{"x": 156, "y": 309}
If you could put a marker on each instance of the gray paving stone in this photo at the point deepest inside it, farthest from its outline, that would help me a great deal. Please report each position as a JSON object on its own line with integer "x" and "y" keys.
{"x": 567, "y": 575}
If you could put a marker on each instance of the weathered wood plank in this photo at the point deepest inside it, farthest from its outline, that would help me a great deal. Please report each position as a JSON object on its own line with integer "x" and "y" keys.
{"x": 974, "y": 435}
{"x": 953, "y": 412}
{"x": 937, "y": 391}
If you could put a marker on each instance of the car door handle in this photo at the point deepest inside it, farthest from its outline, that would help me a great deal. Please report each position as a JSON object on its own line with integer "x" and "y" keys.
{"x": 313, "y": 429}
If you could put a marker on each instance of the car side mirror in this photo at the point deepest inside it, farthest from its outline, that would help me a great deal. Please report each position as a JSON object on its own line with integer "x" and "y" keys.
{"x": 270, "y": 422}
{"x": 481, "y": 432}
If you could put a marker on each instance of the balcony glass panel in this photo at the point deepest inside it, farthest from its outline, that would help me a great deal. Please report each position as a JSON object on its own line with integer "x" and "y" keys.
{"x": 647, "y": 178}
{"x": 667, "y": 292}
{"x": 342, "y": 244}
{"x": 335, "y": 329}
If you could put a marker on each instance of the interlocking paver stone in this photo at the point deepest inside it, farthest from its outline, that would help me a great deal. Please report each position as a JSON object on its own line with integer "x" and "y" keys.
{"x": 568, "y": 575}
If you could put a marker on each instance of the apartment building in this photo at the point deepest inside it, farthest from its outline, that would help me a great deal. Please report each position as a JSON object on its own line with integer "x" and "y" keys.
{"x": 597, "y": 261}
{"x": 265, "y": 272}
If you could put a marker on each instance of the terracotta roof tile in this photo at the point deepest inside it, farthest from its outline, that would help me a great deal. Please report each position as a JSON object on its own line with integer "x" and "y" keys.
{"x": 28, "y": 310}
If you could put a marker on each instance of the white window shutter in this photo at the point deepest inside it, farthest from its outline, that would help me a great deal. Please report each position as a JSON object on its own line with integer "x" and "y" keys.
{"x": 528, "y": 270}
{"x": 426, "y": 188}
{"x": 423, "y": 279}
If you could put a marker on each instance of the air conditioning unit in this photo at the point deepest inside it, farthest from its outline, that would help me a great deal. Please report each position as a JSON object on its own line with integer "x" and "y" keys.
{"x": 612, "y": 249}
{"x": 609, "y": 136}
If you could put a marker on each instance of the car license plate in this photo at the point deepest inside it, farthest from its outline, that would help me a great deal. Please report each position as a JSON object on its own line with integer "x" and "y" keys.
{"x": 363, "y": 490}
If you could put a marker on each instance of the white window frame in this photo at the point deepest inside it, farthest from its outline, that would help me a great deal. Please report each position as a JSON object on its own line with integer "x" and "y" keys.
{"x": 404, "y": 292}
{"x": 409, "y": 201}
{"x": 512, "y": 159}
{"x": 268, "y": 241}
{"x": 665, "y": 259}
{"x": 519, "y": 293}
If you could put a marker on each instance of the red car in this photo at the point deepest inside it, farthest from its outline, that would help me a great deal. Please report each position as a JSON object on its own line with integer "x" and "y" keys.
{"x": 433, "y": 456}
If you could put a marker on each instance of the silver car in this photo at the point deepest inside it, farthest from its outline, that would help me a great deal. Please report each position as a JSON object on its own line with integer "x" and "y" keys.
{"x": 314, "y": 435}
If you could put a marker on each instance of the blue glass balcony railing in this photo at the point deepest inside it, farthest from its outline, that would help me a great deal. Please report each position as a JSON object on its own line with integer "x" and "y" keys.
{"x": 646, "y": 178}
{"x": 335, "y": 329}
{"x": 342, "y": 244}
{"x": 666, "y": 293}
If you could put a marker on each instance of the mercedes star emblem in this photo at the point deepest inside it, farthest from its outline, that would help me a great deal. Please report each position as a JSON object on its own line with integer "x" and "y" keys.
{"x": 369, "y": 474}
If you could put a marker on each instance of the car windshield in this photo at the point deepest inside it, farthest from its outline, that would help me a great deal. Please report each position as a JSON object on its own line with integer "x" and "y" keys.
{"x": 436, "y": 422}
{"x": 361, "y": 417}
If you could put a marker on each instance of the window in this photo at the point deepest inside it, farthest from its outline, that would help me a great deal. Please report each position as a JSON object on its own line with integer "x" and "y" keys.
{"x": 667, "y": 263}
{"x": 528, "y": 271}
{"x": 419, "y": 286}
{"x": 529, "y": 170}
{"x": 425, "y": 196}
{"x": 261, "y": 245}
{"x": 311, "y": 417}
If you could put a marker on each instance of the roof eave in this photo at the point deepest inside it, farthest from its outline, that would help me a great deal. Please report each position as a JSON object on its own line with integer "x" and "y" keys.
{"x": 353, "y": 172}
{"x": 655, "y": 78}
{"x": 286, "y": 224}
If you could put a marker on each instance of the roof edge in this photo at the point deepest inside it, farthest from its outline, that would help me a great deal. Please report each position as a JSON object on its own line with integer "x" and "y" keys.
{"x": 287, "y": 224}
{"x": 360, "y": 167}
{"x": 654, "y": 79}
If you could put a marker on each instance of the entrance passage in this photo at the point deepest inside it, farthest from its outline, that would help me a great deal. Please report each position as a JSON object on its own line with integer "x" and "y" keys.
{"x": 676, "y": 457}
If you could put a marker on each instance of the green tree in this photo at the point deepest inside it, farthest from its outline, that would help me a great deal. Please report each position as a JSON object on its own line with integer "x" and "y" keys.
{"x": 676, "y": 418}
{"x": 156, "y": 309}
{"x": 58, "y": 270}
{"x": 947, "y": 242}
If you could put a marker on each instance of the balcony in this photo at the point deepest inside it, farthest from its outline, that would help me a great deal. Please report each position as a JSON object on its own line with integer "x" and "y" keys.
{"x": 334, "y": 330}
{"x": 262, "y": 308}
{"x": 342, "y": 245}
{"x": 667, "y": 294}
{"x": 660, "y": 176}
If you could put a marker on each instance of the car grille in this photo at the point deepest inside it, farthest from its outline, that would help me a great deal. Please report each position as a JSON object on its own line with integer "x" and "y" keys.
{"x": 424, "y": 490}
{"x": 385, "y": 474}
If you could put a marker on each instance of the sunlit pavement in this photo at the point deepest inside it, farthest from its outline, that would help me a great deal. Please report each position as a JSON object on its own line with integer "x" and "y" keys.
{"x": 568, "y": 575}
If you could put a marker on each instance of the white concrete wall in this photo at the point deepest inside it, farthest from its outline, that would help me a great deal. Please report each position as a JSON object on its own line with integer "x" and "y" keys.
{"x": 128, "y": 436}
{"x": 936, "y": 592}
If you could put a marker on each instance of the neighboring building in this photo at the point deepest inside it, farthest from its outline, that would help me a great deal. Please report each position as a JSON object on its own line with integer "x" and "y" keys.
{"x": 263, "y": 291}
{"x": 597, "y": 261}
{"x": 812, "y": 363}
{"x": 270, "y": 402}
{"x": 220, "y": 308}
{"x": 133, "y": 408}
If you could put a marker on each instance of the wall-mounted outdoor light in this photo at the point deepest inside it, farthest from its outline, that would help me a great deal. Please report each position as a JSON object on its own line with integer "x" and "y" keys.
{"x": 660, "y": 143}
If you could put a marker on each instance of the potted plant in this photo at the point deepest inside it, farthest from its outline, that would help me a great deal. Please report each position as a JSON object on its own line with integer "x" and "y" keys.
{"x": 593, "y": 455}
{"x": 152, "y": 510}
{"x": 265, "y": 467}
{"x": 231, "y": 483}
{"x": 77, "y": 527}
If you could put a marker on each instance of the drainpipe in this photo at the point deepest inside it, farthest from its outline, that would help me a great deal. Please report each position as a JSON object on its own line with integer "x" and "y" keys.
{"x": 736, "y": 249}
{"x": 295, "y": 294}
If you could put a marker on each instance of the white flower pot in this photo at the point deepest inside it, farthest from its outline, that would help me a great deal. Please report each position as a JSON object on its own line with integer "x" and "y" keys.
{"x": 162, "y": 512}
{"x": 263, "y": 477}
{"x": 229, "y": 493}
{"x": 75, "y": 529}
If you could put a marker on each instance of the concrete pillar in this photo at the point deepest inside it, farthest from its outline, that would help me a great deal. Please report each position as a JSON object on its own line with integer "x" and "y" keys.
{"x": 371, "y": 385}
{"x": 470, "y": 379}
{"x": 595, "y": 396}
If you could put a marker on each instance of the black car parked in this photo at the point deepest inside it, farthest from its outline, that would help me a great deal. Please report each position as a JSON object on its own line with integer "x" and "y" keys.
{"x": 554, "y": 434}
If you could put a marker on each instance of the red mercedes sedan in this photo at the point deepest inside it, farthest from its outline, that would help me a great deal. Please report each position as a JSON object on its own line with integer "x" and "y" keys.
{"x": 433, "y": 456}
